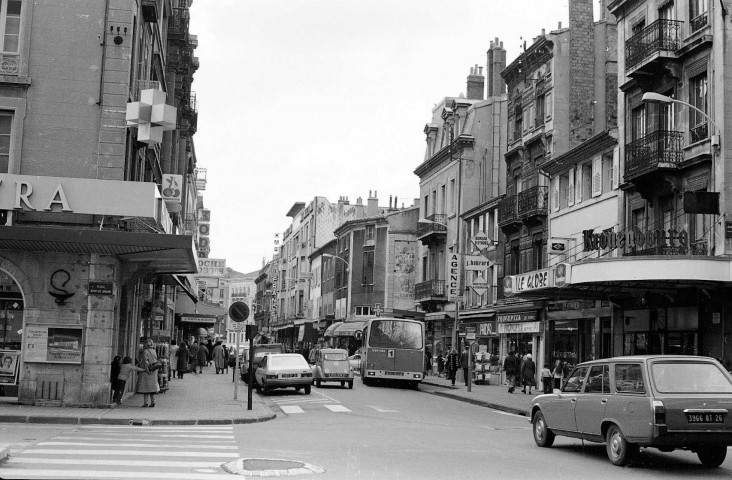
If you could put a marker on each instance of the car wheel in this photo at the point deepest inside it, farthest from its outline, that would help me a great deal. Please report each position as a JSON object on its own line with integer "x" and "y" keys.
{"x": 257, "y": 386}
{"x": 712, "y": 456}
{"x": 619, "y": 451}
{"x": 350, "y": 384}
{"x": 317, "y": 383}
{"x": 542, "y": 435}
{"x": 307, "y": 389}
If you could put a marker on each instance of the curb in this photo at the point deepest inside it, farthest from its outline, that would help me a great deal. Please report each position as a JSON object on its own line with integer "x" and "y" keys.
{"x": 128, "y": 421}
{"x": 481, "y": 403}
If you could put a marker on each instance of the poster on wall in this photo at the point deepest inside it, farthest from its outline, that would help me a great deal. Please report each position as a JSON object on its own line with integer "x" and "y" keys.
{"x": 49, "y": 344}
{"x": 9, "y": 360}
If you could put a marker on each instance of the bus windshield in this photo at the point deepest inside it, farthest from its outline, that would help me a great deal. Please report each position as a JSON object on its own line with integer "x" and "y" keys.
{"x": 395, "y": 334}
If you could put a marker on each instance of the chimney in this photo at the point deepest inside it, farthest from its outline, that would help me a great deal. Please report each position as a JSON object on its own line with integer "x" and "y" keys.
{"x": 372, "y": 208}
{"x": 496, "y": 64}
{"x": 476, "y": 83}
{"x": 581, "y": 70}
{"x": 359, "y": 201}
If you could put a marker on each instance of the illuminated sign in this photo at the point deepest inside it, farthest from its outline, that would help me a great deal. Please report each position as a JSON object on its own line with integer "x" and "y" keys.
{"x": 636, "y": 239}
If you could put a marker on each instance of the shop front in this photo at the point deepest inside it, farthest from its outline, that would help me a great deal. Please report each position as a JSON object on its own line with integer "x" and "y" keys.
{"x": 578, "y": 331}
{"x": 521, "y": 333}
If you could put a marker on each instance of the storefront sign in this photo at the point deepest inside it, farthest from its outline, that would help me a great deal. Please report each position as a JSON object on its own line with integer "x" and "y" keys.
{"x": 454, "y": 270}
{"x": 523, "y": 327}
{"x": 636, "y": 239}
{"x": 202, "y": 319}
{"x": 477, "y": 263}
{"x": 9, "y": 360}
{"x": 486, "y": 329}
{"x": 557, "y": 276}
{"x": 172, "y": 187}
{"x": 44, "y": 343}
{"x": 78, "y": 195}
{"x": 212, "y": 266}
{"x": 101, "y": 288}
{"x": 516, "y": 317}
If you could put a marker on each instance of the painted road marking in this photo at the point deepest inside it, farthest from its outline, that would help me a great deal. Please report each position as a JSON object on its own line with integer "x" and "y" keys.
{"x": 337, "y": 408}
{"x": 291, "y": 409}
{"x": 382, "y": 410}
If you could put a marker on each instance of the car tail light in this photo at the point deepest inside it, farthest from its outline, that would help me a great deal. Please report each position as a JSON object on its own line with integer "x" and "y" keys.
{"x": 659, "y": 413}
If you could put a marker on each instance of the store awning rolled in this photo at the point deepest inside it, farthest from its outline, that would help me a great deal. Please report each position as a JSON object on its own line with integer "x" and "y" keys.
{"x": 157, "y": 253}
{"x": 185, "y": 282}
{"x": 330, "y": 331}
{"x": 349, "y": 329}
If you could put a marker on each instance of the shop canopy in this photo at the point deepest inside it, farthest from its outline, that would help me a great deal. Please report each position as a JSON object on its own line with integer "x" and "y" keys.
{"x": 349, "y": 329}
{"x": 330, "y": 331}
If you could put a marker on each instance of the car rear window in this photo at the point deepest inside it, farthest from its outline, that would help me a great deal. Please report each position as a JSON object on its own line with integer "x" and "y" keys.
{"x": 691, "y": 377}
{"x": 287, "y": 362}
{"x": 629, "y": 379}
{"x": 335, "y": 356}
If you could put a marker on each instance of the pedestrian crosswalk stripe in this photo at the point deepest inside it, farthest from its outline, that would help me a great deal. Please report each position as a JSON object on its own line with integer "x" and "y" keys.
{"x": 291, "y": 409}
{"x": 55, "y": 473}
{"x": 155, "y": 445}
{"x": 142, "y": 453}
{"x": 313, "y": 400}
{"x": 337, "y": 408}
{"x": 383, "y": 410}
{"x": 167, "y": 435}
{"x": 112, "y": 462}
{"x": 146, "y": 439}
{"x": 160, "y": 428}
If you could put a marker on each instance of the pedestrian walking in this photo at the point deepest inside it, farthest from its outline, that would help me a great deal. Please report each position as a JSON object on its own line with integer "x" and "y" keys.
{"x": 528, "y": 373}
{"x": 202, "y": 357}
{"x": 209, "y": 355}
{"x": 173, "y": 359}
{"x": 126, "y": 368}
{"x": 511, "y": 366}
{"x": 427, "y": 361}
{"x": 558, "y": 373}
{"x": 440, "y": 364}
{"x": 147, "y": 381}
{"x": 465, "y": 363}
{"x": 182, "y": 359}
{"x": 219, "y": 358}
{"x": 452, "y": 365}
{"x": 193, "y": 357}
{"x": 226, "y": 358}
{"x": 114, "y": 371}
{"x": 546, "y": 378}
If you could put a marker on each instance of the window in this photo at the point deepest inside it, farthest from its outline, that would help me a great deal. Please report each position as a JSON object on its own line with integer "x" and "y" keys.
{"x": 698, "y": 98}
{"x": 666, "y": 12}
{"x": 368, "y": 268}
{"x": 540, "y": 104}
{"x": 607, "y": 175}
{"x": 689, "y": 378}
{"x": 370, "y": 233}
{"x": 6, "y": 127}
{"x": 443, "y": 200}
{"x": 538, "y": 253}
{"x": 515, "y": 258}
{"x": 451, "y": 193}
{"x": 586, "y": 191}
{"x": 563, "y": 191}
{"x": 638, "y": 218}
{"x": 363, "y": 311}
{"x": 599, "y": 380}
{"x": 576, "y": 380}
{"x": 629, "y": 379}
{"x": 10, "y": 23}
{"x": 698, "y": 14}
{"x": 638, "y": 123}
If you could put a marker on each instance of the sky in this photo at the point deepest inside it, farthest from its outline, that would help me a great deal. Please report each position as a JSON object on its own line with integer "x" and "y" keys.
{"x": 306, "y": 98}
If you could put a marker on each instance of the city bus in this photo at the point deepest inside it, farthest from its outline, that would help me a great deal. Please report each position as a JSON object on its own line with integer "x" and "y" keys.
{"x": 393, "y": 349}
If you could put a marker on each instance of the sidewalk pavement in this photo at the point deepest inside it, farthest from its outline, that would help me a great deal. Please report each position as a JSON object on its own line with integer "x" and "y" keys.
{"x": 491, "y": 396}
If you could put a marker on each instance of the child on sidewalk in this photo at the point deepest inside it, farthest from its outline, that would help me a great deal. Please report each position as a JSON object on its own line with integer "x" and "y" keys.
{"x": 546, "y": 378}
{"x": 124, "y": 374}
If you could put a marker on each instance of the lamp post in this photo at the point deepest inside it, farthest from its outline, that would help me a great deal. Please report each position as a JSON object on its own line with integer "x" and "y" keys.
{"x": 456, "y": 324}
{"x": 653, "y": 97}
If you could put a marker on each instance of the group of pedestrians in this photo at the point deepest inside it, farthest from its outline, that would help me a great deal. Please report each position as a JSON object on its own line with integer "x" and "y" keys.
{"x": 523, "y": 371}
{"x": 185, "y": 358}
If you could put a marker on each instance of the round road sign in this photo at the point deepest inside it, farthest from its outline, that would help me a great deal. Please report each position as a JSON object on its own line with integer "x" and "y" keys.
{"x": 239, "y": 311}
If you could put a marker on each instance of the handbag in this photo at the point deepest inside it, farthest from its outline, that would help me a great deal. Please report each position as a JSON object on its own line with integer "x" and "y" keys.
{"x": 155, "y": 366}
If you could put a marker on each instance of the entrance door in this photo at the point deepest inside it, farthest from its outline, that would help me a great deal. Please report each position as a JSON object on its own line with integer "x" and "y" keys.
{"x": 11, "y": 333}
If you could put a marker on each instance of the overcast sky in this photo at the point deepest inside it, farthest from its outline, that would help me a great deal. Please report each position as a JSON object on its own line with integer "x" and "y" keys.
{"x": 305, "y": 98}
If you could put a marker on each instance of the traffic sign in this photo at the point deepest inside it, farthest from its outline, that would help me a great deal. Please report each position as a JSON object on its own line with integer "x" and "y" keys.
{"x": 239, "y": 311}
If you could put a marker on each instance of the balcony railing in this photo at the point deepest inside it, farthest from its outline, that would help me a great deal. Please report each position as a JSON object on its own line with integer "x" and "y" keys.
{"x": 658, "y": 149}
{"x": 661, "y": 35}
{"x": 699, "y": 133}
{"x": 178, "y": 23}
{"x": 699, "y": 22}
{"x": 507, "y": 212}
{"x": 539, "y": 121}
{"x": 437, "y": 224}
{"x": 533, "y": 201}
{"x": 429, "y": 289}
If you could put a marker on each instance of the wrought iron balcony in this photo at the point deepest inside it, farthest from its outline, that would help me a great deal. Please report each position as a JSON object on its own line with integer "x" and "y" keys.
{"x": 660, "y": 36}
{"x": 433, "y": 231}
{"x": 178, "y": 23}
{"x": 507, "y": 211}
{"x": 533, "y": 202}
{"x": 660, "y": 149}
{"x": 699, "y": 22}
{"x": 428, "y": 290}
{"x": 699, "y": 133}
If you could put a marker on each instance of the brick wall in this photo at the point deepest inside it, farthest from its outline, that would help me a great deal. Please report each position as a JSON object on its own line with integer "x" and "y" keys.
{"x": 581, "y": 72}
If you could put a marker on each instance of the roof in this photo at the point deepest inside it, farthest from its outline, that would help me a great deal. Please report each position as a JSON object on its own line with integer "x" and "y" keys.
{"x": 646, "y": 358}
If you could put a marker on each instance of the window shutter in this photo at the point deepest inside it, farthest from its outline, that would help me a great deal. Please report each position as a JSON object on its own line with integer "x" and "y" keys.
{"x": 616, "y": 168}
{"x": 570, "y": 188}
{"x": 578, "y": 185}
{"x": 495, "y": 225}
{"x": 555, "y": 193}
{"x": 596, "y": 176}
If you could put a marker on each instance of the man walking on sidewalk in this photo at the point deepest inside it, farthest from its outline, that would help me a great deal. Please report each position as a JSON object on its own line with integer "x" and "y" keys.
{"x": 464, "y": 363}
{"x": 511, "y": 367}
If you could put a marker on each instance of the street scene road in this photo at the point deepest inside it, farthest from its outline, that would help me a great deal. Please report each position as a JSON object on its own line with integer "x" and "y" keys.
{"x": 367, "y": 432}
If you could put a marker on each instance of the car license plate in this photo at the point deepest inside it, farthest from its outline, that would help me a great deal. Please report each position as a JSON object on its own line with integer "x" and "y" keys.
{"x": 290, "y": 375}
{"x": 394, "y": 373}
{"x": 705, "y": 417}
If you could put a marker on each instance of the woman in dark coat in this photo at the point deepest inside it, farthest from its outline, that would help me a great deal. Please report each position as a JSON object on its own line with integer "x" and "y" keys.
{"x": 528, "y": 373}
{"x": 452, "y": 365}
{"x": 147, "y": 381}
{"x": 182, "y": 361}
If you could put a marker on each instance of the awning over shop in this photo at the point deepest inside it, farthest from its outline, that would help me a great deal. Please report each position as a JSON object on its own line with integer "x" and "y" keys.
{"x": 330, "y": 331}
{"x": 184, "y": 305}
{"x": 198, "y": 319}
{"x": 185, "y": 282}
{"x": 160, "y": 253}
{"x": 348, "y": 329}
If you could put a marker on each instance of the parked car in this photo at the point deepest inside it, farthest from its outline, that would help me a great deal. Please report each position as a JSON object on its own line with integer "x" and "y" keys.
{"x": 282, "y": 370}
{"x": 355, "y": 361}
{"x": 332, "y": 365}
{"x": 661, "y": 401}
{"x": 260, "y": 349}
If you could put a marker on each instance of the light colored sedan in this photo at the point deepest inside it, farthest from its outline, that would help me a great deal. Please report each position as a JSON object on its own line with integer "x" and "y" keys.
{"x": 283, "y": 370}
{"x": 666, "y": 402}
